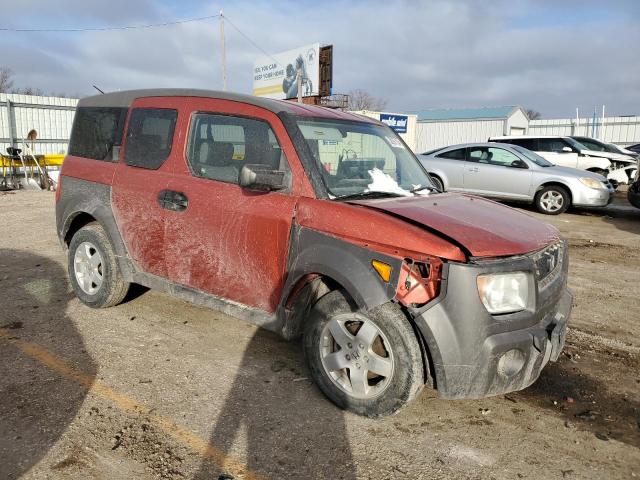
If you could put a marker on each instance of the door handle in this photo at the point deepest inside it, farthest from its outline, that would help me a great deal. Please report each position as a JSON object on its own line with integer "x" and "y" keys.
{"x": 474, "y": 169}
{"x": 172, "y": 200}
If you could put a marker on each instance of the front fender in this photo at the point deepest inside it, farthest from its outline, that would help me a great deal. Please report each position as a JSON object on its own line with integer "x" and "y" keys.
{"x": 587, "y": 163}
{"x": 313, "y": 252}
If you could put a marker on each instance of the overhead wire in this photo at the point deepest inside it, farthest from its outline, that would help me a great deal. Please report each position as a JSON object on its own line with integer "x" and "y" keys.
{"x": 104, "y": 29}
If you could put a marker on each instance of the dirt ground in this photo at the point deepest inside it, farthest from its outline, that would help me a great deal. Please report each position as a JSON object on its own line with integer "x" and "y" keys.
{"x": 157, "y": 388}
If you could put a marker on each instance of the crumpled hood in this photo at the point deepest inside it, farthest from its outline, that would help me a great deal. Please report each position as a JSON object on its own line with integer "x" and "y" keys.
{"x": 482, "y": 227}
{"x": 618, "y": 157}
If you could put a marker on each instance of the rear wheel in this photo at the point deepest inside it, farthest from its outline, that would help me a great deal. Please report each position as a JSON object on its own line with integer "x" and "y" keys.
{"x": 552, "y": 200}
{"x": 93, "y": 269}
{"x": 369, "y": 364}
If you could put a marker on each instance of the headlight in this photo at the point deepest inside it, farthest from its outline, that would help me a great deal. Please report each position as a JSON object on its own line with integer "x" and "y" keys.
{"x": 504, "y": 292}
{"x": 591, "y": 182}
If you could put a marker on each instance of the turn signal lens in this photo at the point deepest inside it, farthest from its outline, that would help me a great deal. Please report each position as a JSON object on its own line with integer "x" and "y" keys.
{"x": 383, "y": 269}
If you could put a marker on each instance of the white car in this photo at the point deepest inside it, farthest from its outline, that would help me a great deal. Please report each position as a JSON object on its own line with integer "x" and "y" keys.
{"x": 567, "y": 152}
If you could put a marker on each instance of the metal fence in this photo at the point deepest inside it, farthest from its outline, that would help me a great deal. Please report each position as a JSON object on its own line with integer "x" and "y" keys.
{"x": 51, "y": 117}
{"x": 619, "y": 130}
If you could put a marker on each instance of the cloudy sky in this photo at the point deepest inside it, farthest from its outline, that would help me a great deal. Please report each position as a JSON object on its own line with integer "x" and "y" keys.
{"x": 551, "y": 56}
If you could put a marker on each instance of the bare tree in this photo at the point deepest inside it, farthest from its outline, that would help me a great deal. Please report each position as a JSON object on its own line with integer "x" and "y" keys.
{"x": 6, "y": 81}
{"x": 533, "y": 114}
{"x": 28, "y": 91}
{"x": 362, "y": 100}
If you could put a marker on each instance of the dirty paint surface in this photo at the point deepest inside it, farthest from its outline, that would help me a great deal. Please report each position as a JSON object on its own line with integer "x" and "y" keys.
{"x": 483, "y": 227}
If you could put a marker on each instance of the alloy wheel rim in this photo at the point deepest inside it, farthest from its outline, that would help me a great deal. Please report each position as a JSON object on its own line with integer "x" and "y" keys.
{"x": 88, "y": 269}
{"x": 552, "y": 201}
{"x": 356, "y": 355}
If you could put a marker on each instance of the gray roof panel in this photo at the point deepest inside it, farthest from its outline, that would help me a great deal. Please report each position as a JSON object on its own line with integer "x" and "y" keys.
{"x": 125, "y": 98}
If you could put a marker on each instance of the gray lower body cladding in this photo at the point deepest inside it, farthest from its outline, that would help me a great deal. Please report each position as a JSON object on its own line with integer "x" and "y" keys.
{"x": 467, "y": 344}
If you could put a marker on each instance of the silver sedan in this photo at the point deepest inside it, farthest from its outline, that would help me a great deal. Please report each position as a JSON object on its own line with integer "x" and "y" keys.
{"x": 510, "y": 172}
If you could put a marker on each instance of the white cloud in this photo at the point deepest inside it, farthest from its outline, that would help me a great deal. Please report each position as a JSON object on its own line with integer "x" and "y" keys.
{"x": 415, "y": 54}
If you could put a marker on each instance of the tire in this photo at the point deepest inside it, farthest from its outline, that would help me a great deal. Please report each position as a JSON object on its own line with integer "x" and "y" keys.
{"x": 633, "y": 194}
{"x": 90, "y": 252}
{"x": 437, "y": 182}
{"x": 552, "y": 200}
{"x": 372, "y": 392}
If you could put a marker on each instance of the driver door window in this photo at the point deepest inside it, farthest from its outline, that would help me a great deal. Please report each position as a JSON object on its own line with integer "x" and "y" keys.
{"x": 502, "y": 157}
{"x": 551, "y": 145}
{"x": 219, "y": 146}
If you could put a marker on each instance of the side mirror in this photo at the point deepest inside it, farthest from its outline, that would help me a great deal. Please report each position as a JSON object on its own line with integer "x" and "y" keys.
{"x": 567, "y": 149}
{"x": 261, "y": 178}
{"x": 519, "y": 164}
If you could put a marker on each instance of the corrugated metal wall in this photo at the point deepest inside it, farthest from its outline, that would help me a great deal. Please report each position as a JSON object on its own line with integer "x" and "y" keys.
{"x": 51, "y": 117}
{"x": 619, "y": 130}
{"x": 432, "y": 135}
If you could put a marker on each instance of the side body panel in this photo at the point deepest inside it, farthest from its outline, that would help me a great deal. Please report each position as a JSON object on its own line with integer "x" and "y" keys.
{"x": 78, "y": 197}
{"x": 450, "y": 171}
{"x": 498, "y": 181}
{"x": 136, "y": 209}
{"x": 231, "y": 242}
{"x": 375, "y": 230}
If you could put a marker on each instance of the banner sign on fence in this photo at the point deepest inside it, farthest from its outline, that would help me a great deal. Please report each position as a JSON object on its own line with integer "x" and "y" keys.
{"x": 396, "y": 122}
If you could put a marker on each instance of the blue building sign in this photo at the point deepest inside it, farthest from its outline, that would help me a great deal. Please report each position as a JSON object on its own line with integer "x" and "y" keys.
{"x": 397, "y": 122}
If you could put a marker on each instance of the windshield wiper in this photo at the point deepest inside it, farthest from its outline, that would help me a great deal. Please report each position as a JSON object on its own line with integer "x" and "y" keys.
{"x": 419, "y": 188}
{"x": 371, "y": 194}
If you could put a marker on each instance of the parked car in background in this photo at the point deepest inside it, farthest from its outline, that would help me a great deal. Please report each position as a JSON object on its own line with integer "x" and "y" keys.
{"x": 633, "y": 194}
{"x": 511, "y": 172}
{"x": 312, "y": 223}
{"x": 567, "y": 152}
{"x": 634, "y": 148}
{"x": 599, "y": 146}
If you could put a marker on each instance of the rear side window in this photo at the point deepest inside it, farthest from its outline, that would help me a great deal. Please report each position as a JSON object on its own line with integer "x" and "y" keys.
{"x": 551, "y": 144}
{"x": 149, "y": 137}
{"x": 97, "y": 133}
{"x": 219, "y": 145}
{"x": 528, "y": 143}
{"x": 457, "y": 154}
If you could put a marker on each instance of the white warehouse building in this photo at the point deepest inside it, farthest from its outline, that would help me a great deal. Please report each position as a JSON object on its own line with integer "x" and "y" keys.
{"x": 440, "y": 128}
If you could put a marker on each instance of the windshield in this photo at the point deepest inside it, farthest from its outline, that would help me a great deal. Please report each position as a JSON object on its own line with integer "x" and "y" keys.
{"x": 363, "y": 158}
{"x": 435, "y": 150}
{"x": 613, "y": 148}
{"x": 592, "y": 144}
{"x": 534, "y": 157}
{"x": 575, "y": 144}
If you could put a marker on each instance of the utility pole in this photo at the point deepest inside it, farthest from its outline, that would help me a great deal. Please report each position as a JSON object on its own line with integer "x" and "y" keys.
{"x": 299, "y": 80}
{"x": 223, "y": 53}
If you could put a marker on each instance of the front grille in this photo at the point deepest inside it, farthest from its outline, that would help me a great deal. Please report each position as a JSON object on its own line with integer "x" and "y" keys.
{"x": 548, "y": 264}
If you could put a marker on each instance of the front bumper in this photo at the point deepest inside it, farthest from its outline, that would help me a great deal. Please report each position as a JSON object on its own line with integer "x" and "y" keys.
{"x": 590, "y": 197}
{"x": 467, "y": 345}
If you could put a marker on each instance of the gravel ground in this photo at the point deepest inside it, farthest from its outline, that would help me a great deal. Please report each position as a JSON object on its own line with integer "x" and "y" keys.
{"x": 157, "y": 388}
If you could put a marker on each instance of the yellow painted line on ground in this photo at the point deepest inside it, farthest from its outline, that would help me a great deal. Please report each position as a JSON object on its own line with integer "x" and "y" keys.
{"x": 128, "y": 404}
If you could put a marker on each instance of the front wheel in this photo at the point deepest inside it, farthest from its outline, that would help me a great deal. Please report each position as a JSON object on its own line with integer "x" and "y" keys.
{"x": 370, "y": 363}
{"x": 437, "y": 182}
{"x": 552, "y": 200}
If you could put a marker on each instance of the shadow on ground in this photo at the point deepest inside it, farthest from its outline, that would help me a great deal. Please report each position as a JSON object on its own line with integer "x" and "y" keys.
{"x": 276, "y": 411}
{"x": 37, "y": 404}
{"x": 593, "y": 405}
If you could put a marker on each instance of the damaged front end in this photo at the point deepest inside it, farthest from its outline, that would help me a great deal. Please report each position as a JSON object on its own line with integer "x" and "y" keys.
{"x": 476, "y": 352}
